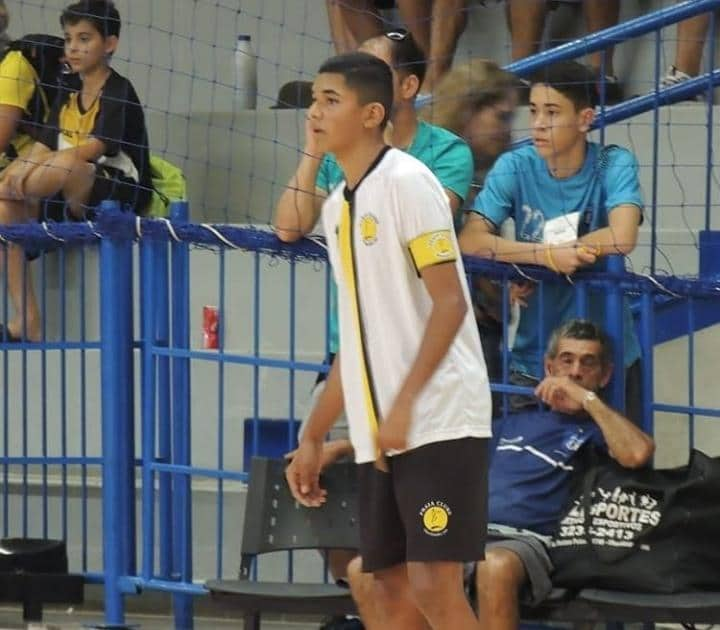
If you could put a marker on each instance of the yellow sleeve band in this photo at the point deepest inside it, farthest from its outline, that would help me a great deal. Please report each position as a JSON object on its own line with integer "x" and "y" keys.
{"x": 432, "y": 248}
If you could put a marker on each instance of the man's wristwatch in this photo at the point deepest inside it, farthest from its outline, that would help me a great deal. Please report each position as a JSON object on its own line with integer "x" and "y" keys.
{"x": 588, "y": 398}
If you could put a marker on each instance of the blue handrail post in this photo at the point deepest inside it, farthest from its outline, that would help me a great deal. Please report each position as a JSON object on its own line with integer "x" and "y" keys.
{"x": 182, "y": 506}
{"x": 116, "y": 338}
{"x": 148, "y": 400}
{"x": 647, "y": 343}
{"x": 615, "y": 318}
{"x": 161, "y": 265}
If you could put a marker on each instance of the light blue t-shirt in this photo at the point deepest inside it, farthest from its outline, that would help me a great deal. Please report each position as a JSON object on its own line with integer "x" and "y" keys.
{"x": 521, "y": 187}
{"x": 444, "y": 153}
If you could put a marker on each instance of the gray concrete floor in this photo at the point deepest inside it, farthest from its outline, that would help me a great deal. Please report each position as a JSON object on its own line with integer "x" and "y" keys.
{"x": 55, "y": 619}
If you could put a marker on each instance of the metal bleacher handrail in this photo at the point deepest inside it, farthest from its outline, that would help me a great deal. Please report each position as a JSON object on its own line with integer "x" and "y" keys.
{"x": 600, "y": 40}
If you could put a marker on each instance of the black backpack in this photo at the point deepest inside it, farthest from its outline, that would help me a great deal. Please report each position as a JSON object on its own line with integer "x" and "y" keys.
{"x": 45, "y": 54}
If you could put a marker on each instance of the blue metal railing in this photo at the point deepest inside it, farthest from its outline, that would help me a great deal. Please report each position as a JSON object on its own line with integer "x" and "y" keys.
{"x": 165, "y": 465}
{"x": 608, "y": 37}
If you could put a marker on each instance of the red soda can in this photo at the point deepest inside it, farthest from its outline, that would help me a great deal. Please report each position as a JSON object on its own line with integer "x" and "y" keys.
{"x": 211, "y": 327}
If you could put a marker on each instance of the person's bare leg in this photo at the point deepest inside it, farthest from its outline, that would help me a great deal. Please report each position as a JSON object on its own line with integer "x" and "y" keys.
{"x": 498, "y": 581}
{"x": 449, "y": 19}
{"x": 26, "y": 322}
{"x": 338, "y": 560}
{"x": 436, "y": 26}
{"x": 691, "y": 36}
{"x": 599, "y": 15}
{"x": 417, "y": 16}
{"x": 437, "y": 590}
{"x": 352, "y": 22}
{"x": 62, "y": 172}
{"x": 526, "y": 22}
{"x": 362, "y": 587}
{"x": 383, "y": 599}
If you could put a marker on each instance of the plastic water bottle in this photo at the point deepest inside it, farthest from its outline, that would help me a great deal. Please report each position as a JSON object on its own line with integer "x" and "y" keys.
{"x": 245, "y": 73}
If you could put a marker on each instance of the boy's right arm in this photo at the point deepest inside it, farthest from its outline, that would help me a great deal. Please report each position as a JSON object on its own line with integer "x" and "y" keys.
{"x": 303, "y": 472}
{"x": 299, "y": 206}
{"x": 479, "y": 238}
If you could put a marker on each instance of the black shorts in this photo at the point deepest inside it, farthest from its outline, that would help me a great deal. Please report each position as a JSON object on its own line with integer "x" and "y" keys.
{"x": 110, "y": 183}
{"x": 431, "y": 506}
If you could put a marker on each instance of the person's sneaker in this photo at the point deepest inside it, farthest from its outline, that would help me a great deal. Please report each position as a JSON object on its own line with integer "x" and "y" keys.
{"x": 343, "y": 622}
{"x": 674, "y": 77}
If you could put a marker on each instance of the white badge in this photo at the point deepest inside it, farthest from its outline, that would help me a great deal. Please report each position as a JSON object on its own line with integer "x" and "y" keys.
{"x": 562, "y": 229}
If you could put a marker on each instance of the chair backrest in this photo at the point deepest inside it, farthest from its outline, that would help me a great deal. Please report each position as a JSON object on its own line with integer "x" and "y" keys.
{"x": 274, "y": 521}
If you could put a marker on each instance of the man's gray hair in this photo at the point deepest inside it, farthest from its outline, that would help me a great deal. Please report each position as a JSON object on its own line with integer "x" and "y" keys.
{"x": 583, "y": 330}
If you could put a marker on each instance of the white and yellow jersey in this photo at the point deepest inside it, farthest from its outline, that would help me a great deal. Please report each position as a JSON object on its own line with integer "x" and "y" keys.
{"x": 380, "y": 236}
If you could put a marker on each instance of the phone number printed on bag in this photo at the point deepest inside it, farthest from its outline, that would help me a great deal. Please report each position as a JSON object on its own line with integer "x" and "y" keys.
{"x": 617, "y": 518}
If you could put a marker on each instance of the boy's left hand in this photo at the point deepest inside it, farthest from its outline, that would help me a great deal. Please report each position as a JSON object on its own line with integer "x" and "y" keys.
{"x": 392, "y": 433}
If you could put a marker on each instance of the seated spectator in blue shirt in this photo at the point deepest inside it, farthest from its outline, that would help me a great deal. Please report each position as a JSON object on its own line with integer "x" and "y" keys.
{"x": 535, "y": 455}
{"x": 572, "y": 202}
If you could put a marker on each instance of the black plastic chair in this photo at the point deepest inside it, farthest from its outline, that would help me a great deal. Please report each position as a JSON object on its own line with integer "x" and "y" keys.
{"x": 34, "y": 571}
{"x": 274, "y": 521}
{"x": 599, "y": 605}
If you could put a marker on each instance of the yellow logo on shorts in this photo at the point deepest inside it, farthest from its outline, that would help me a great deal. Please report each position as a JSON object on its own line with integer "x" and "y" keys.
{"x": 435, "y": 517}
{"x": 369, "y": 229}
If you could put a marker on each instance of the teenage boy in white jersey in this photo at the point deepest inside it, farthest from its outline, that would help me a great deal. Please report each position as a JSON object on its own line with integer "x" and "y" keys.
{"x": 410, "y": 373}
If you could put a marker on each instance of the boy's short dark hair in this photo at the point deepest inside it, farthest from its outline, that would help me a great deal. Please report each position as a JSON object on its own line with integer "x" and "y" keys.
{"x": 407, "y": 57}
{"x": 572, "y": 79}
{"x": 365, "y": 74}
{"x": 102, "y": 14}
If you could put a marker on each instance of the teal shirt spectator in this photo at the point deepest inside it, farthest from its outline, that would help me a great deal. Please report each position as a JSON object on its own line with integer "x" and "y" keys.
{"x": 520, "y": 187}
{"x": 444, "y": 153}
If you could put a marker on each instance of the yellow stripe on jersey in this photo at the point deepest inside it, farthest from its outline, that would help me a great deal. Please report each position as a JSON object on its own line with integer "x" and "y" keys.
{"x": 432, "y": 248}
{"x": 348, "y": 269}
{"x": 75, "y": 126}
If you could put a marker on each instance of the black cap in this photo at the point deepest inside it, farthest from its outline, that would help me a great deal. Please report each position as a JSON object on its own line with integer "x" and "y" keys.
{"x": 294, "y": 95}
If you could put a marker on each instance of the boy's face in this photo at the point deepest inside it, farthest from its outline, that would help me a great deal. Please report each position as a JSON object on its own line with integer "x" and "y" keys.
{"x": 85, "y": 47}
{"x": 336, "y": 116}
{"x": 556, "y": 125}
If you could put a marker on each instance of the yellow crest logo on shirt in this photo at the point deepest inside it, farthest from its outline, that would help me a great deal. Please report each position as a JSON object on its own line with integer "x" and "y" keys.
{"x": 435, "y": 518}
{"x": 441, "y": 245}
{"x": 369, "y": 229}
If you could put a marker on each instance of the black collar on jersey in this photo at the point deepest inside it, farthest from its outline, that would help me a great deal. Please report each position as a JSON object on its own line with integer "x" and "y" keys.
{"x": 348, "y": 193}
